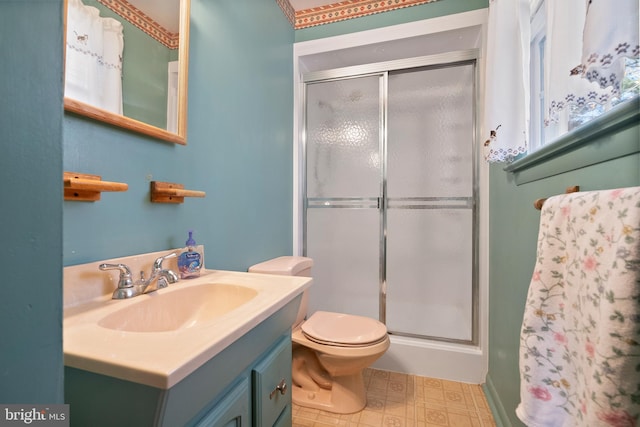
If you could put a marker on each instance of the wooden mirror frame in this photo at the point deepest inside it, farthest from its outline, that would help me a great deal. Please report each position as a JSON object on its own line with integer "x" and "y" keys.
{"x": 180, "y": 137}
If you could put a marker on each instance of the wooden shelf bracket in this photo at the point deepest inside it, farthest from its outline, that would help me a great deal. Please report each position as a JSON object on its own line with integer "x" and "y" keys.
{"x": 539, "y": 202}
{"x": 87, "y": 188}
{"x": 168, "y": 192}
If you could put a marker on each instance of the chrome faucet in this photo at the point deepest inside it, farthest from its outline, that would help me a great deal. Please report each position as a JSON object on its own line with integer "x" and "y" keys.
{"x": 160, "y": 276}
{"x": 127, "y": 288}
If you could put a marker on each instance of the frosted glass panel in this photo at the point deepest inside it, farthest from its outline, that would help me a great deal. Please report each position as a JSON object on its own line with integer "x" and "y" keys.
{"x": 428, "y": 204}
{"x": 343, "y": 138}
{"x": 345, "y": 247}
{"x": 429, "y": 272}
{"x": 430, "y": 132}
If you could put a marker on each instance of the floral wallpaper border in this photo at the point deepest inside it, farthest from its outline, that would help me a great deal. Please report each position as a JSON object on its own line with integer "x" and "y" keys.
{"x": 136, "y": 17}
{"x": 312, "y": 17}
{"x": 343, "y": 10}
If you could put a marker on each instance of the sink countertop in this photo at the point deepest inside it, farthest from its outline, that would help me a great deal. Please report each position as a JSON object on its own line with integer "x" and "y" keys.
{"x": 162, "y": 359}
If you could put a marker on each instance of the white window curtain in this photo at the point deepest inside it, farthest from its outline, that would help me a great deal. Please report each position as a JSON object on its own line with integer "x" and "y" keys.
{"x": 587, "y": 43}
{"x": 506, "y": 105}
{"x": 93, "y": 67}
{"x": 604, "y": 52}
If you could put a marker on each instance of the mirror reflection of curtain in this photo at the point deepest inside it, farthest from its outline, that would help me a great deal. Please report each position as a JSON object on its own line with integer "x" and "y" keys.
{"x": 93, "y": 68}
{"x": 172, "y": 96}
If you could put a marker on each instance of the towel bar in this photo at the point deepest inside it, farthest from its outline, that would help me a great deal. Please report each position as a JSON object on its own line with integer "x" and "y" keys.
{"x": 87, "y": 188}
{"x": 169, "y": 192}
{"x": 539, "y": 202}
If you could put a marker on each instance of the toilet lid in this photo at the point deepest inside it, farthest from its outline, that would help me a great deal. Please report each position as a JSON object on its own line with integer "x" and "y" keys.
{"x": 344, "y": 329}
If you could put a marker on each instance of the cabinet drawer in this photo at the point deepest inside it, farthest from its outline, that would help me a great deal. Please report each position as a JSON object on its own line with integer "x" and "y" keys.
{"x": 272, "y": 384}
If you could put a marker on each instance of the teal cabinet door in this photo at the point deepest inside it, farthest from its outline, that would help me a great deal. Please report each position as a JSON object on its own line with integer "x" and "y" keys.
{"x": 271, "y": 385}
{"x": 285, "y": 419}
{"x": 232, "y": 411}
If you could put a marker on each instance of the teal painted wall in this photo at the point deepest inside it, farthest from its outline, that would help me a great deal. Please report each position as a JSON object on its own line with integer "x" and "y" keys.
{"x": 239, "y": 151}
{"x": 394, "y": 17}
{"x": 31, "y": 225}
{"x": 513, "y": 238}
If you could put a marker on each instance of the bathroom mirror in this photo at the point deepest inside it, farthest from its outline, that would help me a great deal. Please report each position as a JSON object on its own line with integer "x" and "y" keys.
{"x": 150, "y": 53}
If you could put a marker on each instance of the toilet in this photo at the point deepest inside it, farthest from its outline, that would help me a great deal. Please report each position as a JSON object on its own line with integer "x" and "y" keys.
{"x": 330, "y": 350}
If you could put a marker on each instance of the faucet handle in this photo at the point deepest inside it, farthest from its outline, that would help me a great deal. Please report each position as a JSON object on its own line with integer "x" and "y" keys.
{"x": 157, "y": 264}
{"x": 125, "y": 274}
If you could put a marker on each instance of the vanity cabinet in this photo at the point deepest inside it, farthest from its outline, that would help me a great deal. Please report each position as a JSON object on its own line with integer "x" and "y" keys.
{"x": 232, "y": 411}
{"x": 247, "y": 383}
{"x": 267, "y": 392}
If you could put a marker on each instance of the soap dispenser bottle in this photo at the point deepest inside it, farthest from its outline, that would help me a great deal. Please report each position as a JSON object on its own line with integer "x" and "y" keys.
{"x": 190, "y": 261}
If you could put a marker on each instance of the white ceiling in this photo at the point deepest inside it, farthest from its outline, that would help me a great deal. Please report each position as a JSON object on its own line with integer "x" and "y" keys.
{"x": 164, "y": 12}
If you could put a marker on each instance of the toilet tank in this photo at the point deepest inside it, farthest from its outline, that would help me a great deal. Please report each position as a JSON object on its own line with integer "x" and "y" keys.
{"x": 288, "y": 266}
{"x": 285, "y": 266}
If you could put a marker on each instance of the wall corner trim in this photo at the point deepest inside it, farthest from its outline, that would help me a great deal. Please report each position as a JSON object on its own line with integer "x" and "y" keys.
{"x": 495, "y": 404}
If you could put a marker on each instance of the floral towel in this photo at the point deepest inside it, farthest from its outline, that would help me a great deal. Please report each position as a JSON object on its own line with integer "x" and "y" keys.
{"x": 579, "y": 348}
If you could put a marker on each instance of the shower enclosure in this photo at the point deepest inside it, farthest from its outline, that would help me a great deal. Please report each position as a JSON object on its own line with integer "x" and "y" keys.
{"x": 390, "y": 194}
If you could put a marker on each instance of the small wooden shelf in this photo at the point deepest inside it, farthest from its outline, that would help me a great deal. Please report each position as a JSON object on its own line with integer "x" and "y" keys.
{"x": 87, "y": 188}
{"x": 169, "y": 192}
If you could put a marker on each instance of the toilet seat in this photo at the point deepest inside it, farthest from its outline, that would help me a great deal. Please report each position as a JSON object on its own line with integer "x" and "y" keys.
{"x": 343, "y": 330}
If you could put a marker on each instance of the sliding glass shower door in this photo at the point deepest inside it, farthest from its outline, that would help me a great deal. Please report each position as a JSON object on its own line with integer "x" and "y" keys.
{"x": 430, "y": 202}
{"x": 343, "y": 188}
{"x": 390, "y": 212}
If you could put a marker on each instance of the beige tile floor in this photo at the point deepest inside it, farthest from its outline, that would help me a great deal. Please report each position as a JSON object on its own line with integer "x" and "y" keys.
{"x": 401, "y": 400}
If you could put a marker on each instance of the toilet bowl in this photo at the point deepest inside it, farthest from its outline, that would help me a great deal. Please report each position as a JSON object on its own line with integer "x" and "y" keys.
{"x": 330, "y": 350}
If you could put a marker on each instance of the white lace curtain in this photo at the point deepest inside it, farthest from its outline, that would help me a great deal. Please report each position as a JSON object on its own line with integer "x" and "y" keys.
{"x": 506, "y": 105}
{"x": 587, "y": 41}
{"x": 93, "y": 67}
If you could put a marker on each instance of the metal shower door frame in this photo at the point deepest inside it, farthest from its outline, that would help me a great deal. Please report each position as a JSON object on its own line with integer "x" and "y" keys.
{"x": 382, "y": 70}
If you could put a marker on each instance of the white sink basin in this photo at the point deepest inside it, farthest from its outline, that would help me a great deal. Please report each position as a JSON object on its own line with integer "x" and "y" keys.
{"x": 159, "y": 338}
{"x": 182, "y": 308}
